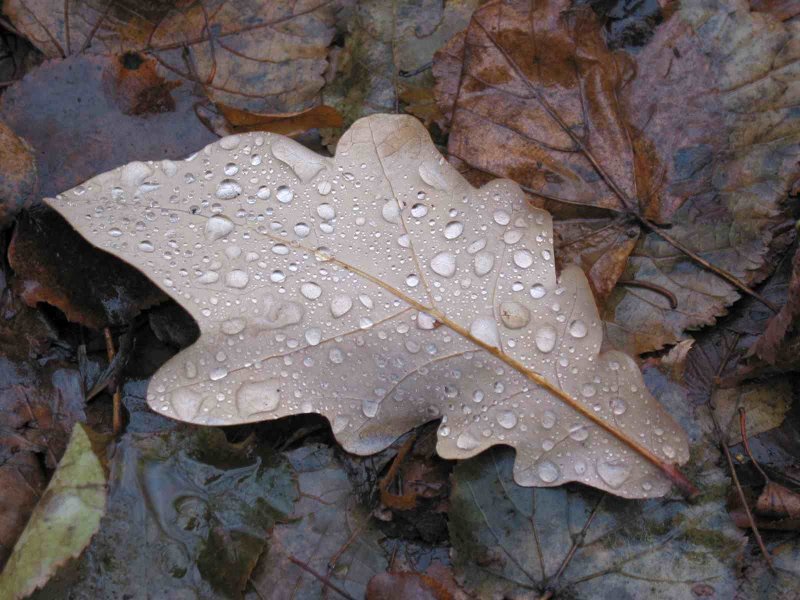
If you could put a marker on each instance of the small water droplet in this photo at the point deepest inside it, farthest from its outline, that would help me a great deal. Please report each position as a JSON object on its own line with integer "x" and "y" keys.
{"x": 302, "y": 230}
{"x": 523, "y": 259}
{"x": 453, "y": 229}
{"x": 284, "y": 194}
{"x": 341, "y": 305}
{"x": 419, "y": 210}
{"x": 618, "y": 406}
{"x": 217, "y": 227}
{"x": 313, "y": 336}
{"x": 507, "y": 419}
{"x": 483, "y": 263}
{"x": 514, "y": 315}
{"x": 263, "y": 192}
{"x": 538, "y": 291}
{"x": 548, "y": 419}
{"x": 578, "y": 433}
{"x": 146, "y": 246}
{"x": 444, "y": 264}
{"x": 501, "y": 217}
{"x": 412, "y": 280}
{"x": 485, "y": 330}
{"x": 237, "y": 279}
{"x": 668, "y": 450}
{"x": 391, "y": 211}
{"x": 467, "y": 441}
{"x": 577, "y": 329}
{"x": 326, "y": 211}
{"x": 324, "y": 188}
{"x": 228, "y": 189}
{"x": 614, "y": 472}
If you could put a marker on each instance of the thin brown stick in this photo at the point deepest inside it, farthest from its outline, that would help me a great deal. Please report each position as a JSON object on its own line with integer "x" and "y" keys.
{"x": 673, "y": 301}
{"x": 117, "y": 395}
{"x": 324, "y": 580}
{"x": 724, "y": 445}
{"x": 746, "y": 444}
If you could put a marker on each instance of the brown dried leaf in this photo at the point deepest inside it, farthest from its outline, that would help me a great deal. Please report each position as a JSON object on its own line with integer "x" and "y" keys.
{"x": 18, "y": 178}
{"x": 361, "y": 255}
{"x": 703, "y": 138}
{"x": 263, "y": 55}
{"x": 400, "y": 586}
{"x": 242, "y": 121}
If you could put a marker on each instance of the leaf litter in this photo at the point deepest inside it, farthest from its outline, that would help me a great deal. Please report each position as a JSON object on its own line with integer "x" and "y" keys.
{"x": 598, "y": 240}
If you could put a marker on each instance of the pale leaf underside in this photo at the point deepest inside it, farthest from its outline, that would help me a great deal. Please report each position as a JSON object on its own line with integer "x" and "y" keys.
{"x": 381, "y": 290}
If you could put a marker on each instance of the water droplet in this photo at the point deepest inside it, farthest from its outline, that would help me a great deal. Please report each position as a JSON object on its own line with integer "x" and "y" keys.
{"x": 237, "y": 279}
{"x": 302, "y": 230}
{"x": 218, "y": 373}
{"x": 425, "y": 321}
{"x": 444, "y": 264}
{"x": 507, "y": 419}
{"x": 233, "y": 326}
{"x": 548, "y": 471}
{"x": 208, "y": 277}
{"x": 280, "y": 249}
{"x": 538, "y": 291}
{"x": 668, "y": 450}
{"x": 412, "y": 280}
{"x": 578, "y": 433}
{"x": 313, "y": 336}
{"x": 545, "y": 338}
{"x": 483, "y": 263}
{"x": 114, "y": 232}
{"x": 430, "y": 172}
{"x": 419, "y": 210}
{"x": 231, "y": 169}
{"x": 310, "y": 290}
{"x": 190, "y": 369}
{"x": 514, "y": 315}
{"x": 548, "y": 419}
{"x": 453, "y": 229}
{"x": 588, "y": 390}
{"x": 391, "y": 211}
{"x": 370, "y": 407}
{"x": 467, "y": 441}
{"x": 523, "y": 259}
{"x": 614, "y": 473}
{"x": 485, "y": 330}
{"x": 217, "y": 227}
{"x": 366, "y": 301}
{"x": 478, "y": 396}
{"x": 618, "y": 406}
{"x": 146, "y": 246}
{"x": 324, "y": 188}
{"x": 263, "y": 192}
{"x": 501, "y": 217}
{"x": 512, "y": 236}
{"x": 277, "y": 276}
{"x": 326, "y": 211}
{"x": 230, "y": 142}
{"x": 284, "y": 194}
{"x": 258, "y": 396}
{"x": 228, "y": 189}
{"x": 336, "y": 356}
{"x": 341, "y": 305}
{"x": 577, "y": 329}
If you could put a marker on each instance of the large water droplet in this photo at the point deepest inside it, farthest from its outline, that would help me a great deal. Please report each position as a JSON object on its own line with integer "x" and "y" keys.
{"x": 501, "y": 217}
{"x": 523, "y": 259}
{"x": 341, "y": 305}
{"x": 284, "y": 194}
{"x": 444, "y": 264}
{"x": 485, "y": 330}
{"x": 483, "y": 263}
{"x": 507, "y": 419}
{"x": 217, "y": 227}
{"x": 578, "y": 433}
{"x": 467, "y": 441}
{"x": 578, "y": 329}
{"x": 370, "y": 407}
{"x": 313, "y": 336}
{"x": 538, "y": 291}
{"x": 614, "y": 472}
{"x": 146, "y": 246}
{"x": 419, "y": 210}
{"x": 326, "y": 211}
{"x": 302, "y": 230}
{"x": 453, "y": 229}
{"x": 310, "y": 290}
{"x": 237, "y": 279}
{"x": 258, "y": 396}
{"x": 548, "y": 471}
{"x": 391, "y": 211}
{"x": 228, "y": 189}
{"x": 514, "y": 315}
{"x": 548, "y": 419}
{"x": 545, "y": 338}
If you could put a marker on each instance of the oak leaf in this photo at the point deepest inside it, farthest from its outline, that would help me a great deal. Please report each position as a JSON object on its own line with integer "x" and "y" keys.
{"x": 381, "y": 290}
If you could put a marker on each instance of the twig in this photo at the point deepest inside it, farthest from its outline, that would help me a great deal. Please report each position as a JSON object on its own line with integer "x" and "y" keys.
{"x": 746, "y": 444}
{"x": 673, "y": 301}
{"x": 724, "y": 445}
{"x": 117, "y": 397}
{"x": 324, "y": 580}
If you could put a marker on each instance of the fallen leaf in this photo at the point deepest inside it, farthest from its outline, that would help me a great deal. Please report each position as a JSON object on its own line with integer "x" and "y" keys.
{"x": 328, "y": 532}
{"x": 766, "y": 404}
{"x": 515, "y": 542}
{"x": 64, "y": 521}
{"x": 783, "y": 9}
{"x": 241, "y": 121}
{"x": 201, "y": 507}
{"x": 779, "y": 344}
{"x": 358, "y": 259}
{"x": 699, "y": 136}
{"x": 399, "y": 586}
{"x": 262, "y": 56}
{"x": 18, "y": 180}
{"x": 384, "y": 65}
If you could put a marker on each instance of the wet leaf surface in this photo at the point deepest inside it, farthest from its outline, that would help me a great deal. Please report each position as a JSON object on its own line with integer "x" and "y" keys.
{"x": 64, "y": 520}
{"x": 201, "y": 507}
{"x": 515, "y": 542}
{"x": 329, "y": 532}
{"x": 272, "y": 304}
{"x": 217, "y": 44}
{"x": 660, "y": 124}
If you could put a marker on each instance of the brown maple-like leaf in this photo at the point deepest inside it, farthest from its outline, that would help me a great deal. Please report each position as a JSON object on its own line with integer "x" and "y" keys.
{"x": 219, "y": 44}
{"x": 380, "y": 289}
{"x": 18, "y": 174}
{"x": 696, "y": 132}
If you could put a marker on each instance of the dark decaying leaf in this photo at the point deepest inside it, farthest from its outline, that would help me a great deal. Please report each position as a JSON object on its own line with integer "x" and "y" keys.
{"x": 702, "y": 138}
{"x": 188, "y": 516}
{"x": 384, "y": 65}
{"x": 65, "y": 519}
{"x": 328, "y": 532}
{"x": 400, "y": 586}
{"x": 18, "y": 179}
{"x": 260, "y": 55}
{"x": 514, "y": 542}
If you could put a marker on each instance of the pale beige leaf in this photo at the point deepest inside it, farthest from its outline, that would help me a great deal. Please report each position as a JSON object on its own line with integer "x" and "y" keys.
{"x": 378, "y": 288}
